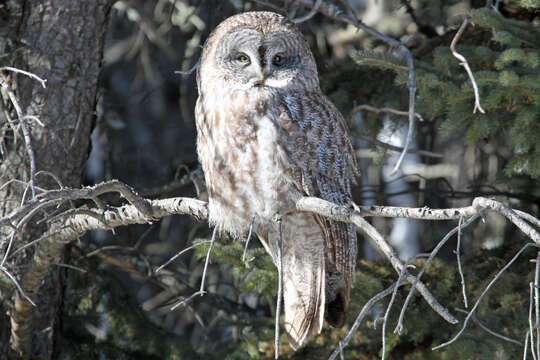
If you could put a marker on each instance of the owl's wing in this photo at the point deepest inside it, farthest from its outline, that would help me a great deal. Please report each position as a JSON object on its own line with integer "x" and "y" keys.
{"x": 319, "y": 147}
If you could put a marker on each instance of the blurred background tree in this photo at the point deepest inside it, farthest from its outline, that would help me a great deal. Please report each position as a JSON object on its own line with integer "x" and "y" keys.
{"x": 144, "y": 135}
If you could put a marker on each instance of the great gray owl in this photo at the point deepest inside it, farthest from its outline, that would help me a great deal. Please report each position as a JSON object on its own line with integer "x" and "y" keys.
{"x": 267, "y": 136}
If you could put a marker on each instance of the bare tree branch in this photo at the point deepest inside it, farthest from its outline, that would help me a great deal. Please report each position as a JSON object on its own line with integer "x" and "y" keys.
{"x": 346, "y": 214}
{"x": 310, "y": 14}
{"x": 363, "y": 313}
{"x": 510, "y": 214}
{"x": 460, "y": 268}
{"x": 385, "y": 110}
{"x": 399, "y": 325}
{"x": 537, "y": 302}
{"x": 466, "y": 321}
{"x": 489, "y": 331}
{"x": 465, "y": 64}
{"x": 531, "y": 326}
{"x": 26, "y": 134}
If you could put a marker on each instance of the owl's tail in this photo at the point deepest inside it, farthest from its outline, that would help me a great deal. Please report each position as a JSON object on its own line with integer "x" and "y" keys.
{"x": 304, "y": 275}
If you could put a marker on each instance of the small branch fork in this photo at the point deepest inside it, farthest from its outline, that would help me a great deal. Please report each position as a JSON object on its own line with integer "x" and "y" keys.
{"x": 465, "y": 64}
{"x": 22, "y": 120}
{"x": 69, "y": 225}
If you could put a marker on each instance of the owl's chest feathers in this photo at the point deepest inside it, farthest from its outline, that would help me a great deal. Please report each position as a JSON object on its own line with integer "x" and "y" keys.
{"x": 247, "y": 166}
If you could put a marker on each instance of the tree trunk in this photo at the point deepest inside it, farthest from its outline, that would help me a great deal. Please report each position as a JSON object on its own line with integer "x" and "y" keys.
{"x": 60, "y": 41}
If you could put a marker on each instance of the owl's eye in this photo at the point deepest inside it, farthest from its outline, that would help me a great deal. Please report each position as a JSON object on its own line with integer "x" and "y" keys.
{"x": 243, "y": 58}
{"x": 277, "y": 60}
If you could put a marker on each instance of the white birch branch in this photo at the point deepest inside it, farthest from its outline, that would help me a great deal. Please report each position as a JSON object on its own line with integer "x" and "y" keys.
{"x": 73, "y": 223}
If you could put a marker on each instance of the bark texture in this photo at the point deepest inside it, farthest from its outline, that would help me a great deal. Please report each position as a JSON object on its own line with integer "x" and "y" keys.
{"x": 60, "y": 41}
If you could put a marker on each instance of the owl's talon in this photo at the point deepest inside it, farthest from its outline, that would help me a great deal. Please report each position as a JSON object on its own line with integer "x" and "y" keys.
{"x": 355, "y": 207}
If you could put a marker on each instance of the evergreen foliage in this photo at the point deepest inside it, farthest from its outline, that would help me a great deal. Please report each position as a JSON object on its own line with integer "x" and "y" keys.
{"x": 504, "y": 307}
{"x": 507, "y": 71}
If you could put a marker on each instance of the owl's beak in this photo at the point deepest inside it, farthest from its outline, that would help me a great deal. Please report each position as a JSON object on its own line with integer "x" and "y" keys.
{"x": 259, "y": 82}
{"x": 259, "y": 76}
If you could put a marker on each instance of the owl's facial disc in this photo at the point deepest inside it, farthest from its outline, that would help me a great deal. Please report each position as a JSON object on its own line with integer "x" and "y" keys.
{"x": 250, "y": 59}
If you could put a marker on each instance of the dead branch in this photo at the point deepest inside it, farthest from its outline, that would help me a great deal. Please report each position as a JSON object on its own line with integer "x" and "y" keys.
{"x": 347, "y": 214}
{"x": 469, "y": 316}
{"x": 460, "y": 268}
{"x": 489, "y": 331}
{"x": 26, "y": 134}
{"x": 363, "y": 313}
{"x": 385, "y": 110}
{"x": 510, "y": 214}
{"x": 434, "y": 252}
{"x": 310, "y": 14}
{"x": 465, "y": 64}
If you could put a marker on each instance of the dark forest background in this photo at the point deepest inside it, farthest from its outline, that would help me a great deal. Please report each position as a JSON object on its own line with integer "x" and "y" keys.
{"x": 109, "y": 302}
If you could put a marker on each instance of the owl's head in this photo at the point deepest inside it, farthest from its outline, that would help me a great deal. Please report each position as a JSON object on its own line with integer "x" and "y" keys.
{"x": 257, "y": 50}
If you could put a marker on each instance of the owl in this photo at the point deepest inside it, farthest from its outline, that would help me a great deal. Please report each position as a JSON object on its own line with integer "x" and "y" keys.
{"x": 267, "y": 137}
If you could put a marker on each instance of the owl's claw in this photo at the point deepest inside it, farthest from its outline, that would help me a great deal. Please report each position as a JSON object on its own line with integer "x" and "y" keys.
{"x": 355, "y": 207}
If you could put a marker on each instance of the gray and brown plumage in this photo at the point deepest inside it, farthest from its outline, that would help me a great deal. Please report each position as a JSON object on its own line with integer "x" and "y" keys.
{"x": 267, "y": 136}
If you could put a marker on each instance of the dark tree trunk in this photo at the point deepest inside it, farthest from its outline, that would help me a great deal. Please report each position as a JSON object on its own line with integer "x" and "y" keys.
{"x": 60, "y": 41}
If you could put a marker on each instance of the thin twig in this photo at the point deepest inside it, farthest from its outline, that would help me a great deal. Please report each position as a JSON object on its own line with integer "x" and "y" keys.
{"x": 341, "y": 355}
{"x": 27, "y": 73}
{"x": 465, "y": 64}
{"x": 365, "y": 311}
{"x": 247, "y": 240}
{"x": 8, "y": 250}
{"x": 526, "y": 345}
{"x": 346, "y": 214}
{"x": 186, "y": 300}
{"x": 280, "y": 285}
{"x": 68, "y": 266}
{"x": 434, "y": 252}
{"x": 26, "y": 134}
{"x": 408, "y": 140}
{"x": 394, "y": 292}
{"x": 399, "y": 148}
{"x": 489, "y": 331}
{"x": 537, "y": 303}
{"x": 17, "y": 285}
{"x": 201, "y": 290}
{"x": 385, "y": 109}
{"x": 208, "y": 259}
{"x": 190, "y": 71}
{"x": 180, "y": 253}
{"x": 460, "y": 268}
{"x": 310, "y": 14}
{"x": 531, "y": 326}
{"x": 466, "y": 321}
